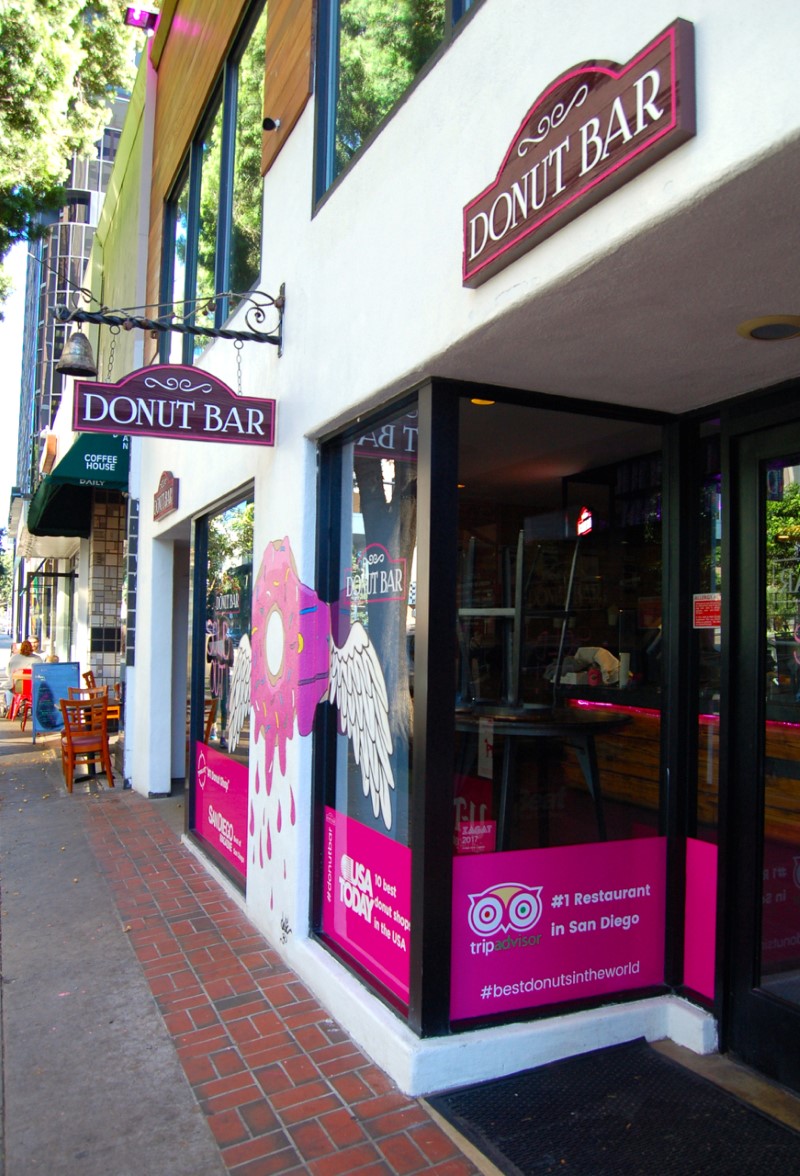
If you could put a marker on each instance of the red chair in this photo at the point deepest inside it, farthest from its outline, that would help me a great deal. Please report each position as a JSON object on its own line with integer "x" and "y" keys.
{"x": 23, "y": 699}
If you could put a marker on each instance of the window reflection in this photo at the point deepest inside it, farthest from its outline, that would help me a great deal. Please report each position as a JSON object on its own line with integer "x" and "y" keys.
{"x": 377, "y": 572}
{"x": 245, "y": 244}
{"x": 227, "y": 636}
{"x": 180, "y": 214}
{"x": 780, "y": 955}
{"x": 366, "y": 891}
{"x": 205, "y": 283}
{"x": 216, "y": 222}
{"x": 383, "y": 44}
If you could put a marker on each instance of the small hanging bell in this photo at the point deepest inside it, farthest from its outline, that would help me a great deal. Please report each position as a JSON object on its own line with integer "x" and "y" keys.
{"x": 76, "y": 358}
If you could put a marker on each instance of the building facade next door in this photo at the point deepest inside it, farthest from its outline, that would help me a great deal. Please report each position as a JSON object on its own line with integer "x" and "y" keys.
{"x": 763, "y": 1026}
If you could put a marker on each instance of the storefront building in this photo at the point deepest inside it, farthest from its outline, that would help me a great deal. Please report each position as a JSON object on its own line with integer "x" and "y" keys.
{"x": 479, "y": 584}
{"x": 67, "y": 512}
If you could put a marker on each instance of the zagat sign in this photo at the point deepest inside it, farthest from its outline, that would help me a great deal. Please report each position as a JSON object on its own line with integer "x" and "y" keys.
{"x": 170, "y": 400}
{"x": 593, "y": 129}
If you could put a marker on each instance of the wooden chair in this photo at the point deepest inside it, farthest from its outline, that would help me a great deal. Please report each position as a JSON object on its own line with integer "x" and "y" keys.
{"x": 89, "y": 693}
{"x": 114, "y": 708}
{"x": 84, "y": 739}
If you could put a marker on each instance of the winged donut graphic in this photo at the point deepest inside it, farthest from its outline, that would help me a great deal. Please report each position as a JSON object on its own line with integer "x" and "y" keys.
{"x": 291, "y": 664}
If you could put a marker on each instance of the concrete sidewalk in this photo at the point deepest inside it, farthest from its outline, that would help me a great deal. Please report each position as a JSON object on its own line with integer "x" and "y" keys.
{"x": 147, "y": 1027}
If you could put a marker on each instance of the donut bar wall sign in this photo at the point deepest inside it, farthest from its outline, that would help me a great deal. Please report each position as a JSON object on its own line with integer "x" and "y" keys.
{"x": 171, "y": 400}
{"x": 165, "y": 499}
{"x": 593, "y": 129}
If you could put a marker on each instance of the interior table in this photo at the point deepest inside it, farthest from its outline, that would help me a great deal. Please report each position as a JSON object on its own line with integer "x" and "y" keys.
{"x": 576, "y": 727}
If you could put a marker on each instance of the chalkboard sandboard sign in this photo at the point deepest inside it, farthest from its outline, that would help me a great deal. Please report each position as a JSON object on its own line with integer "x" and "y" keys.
{"x": 51, "y": 683}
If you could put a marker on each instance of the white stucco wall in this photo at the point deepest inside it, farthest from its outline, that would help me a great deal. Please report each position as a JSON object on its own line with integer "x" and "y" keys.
{"x": 374, "y": 301}
{"x": 373, "y": 282}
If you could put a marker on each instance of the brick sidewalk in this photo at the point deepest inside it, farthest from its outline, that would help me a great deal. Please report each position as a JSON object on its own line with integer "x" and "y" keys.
{"x": 283, "y": 1088}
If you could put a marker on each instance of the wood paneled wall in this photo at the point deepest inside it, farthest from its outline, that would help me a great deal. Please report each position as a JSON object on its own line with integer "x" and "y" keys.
{"x": 288, "y": 82}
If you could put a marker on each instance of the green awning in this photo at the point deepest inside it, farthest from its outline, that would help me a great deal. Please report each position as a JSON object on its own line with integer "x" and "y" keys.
{"x": 94, "y": 459}
{"x": 59, "y": 509}
{"x": 62, "y": 504}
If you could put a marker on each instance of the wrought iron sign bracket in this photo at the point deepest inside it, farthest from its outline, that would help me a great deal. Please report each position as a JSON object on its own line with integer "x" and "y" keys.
{"x": 260, "y": 305}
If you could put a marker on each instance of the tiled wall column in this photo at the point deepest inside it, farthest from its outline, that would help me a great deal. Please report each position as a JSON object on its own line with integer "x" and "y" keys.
{"x": 106, "y": 578}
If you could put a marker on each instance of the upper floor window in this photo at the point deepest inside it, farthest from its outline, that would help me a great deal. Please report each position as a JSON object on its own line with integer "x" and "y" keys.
{"x": 212, "y": 243}
{"x": 370, "y": 53}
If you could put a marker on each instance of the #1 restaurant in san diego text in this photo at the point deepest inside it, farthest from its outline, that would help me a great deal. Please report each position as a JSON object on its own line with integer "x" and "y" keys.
{"x": 480, "y": 590}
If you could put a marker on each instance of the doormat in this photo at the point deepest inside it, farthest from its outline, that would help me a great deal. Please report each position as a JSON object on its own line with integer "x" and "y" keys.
{"x": 623, "y": 1111}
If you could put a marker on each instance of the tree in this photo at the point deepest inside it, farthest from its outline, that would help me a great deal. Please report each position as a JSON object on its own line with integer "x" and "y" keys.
{"x": 60, "y": 60}
{"x": 383, "y": 44}
{"x": 783, "y": 558}
{"x": 6, "y": 572}
{"x": 230, "y": 544}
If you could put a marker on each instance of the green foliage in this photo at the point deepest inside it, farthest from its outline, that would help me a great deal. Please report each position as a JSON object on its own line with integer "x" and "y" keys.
{"x": 6, "y": 571}
{"x": 59, "y": 61}
{"x": 247, "y": 184}
{"x": 245, "y": 245}
{"x": 242, "y": 529}
{"x": 383, "y": 44}
{"x": 783, "y": 559}
{"x": 205, "y": 286}
{"x": 230, "y": 543}
{"x": 783, "y": 519}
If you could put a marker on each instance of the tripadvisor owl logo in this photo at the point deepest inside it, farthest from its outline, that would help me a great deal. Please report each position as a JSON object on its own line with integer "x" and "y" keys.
{"x": 507, "y": 906}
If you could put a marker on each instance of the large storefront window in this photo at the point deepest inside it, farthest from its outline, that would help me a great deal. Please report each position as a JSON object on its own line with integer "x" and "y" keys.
{"x": 760, "y": 792}
{"x": 498, "y": 734}
{"x": 373, "y": 50}
{"x": 780, "y": 871}
{"x": 176, "y": 248}
{"x": 207, "y": 226}
{"x": 221, "y": 754}
{"x": 213, "y": 222}
{"x": 244, "y": 267}
{"x": 367, "y": 884}
{"x": 559, "y": 872}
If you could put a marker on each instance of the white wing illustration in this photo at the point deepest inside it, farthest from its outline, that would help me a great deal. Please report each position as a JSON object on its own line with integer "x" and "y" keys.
{"x": 358, "y": 688}
{"x": 239, "y": 700}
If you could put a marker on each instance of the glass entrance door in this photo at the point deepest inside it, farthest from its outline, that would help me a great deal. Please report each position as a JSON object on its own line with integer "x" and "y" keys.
{"x": 764, "y": 862}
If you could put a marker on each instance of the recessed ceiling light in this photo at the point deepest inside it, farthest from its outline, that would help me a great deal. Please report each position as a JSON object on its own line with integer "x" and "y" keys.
{"x": 477, "y": 400}
{"x": 771, "y": 328}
